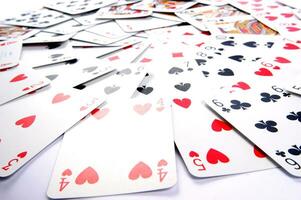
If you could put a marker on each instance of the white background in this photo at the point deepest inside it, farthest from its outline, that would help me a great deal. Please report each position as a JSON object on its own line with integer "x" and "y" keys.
{"x": 30, "y": 183}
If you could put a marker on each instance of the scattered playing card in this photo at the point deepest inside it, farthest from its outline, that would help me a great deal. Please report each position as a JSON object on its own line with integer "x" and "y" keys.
{"x": 10, "y": 51}
{"x": 7, "y": 32}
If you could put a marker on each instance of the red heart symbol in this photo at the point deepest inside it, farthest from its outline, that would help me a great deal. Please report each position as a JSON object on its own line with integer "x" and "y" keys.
{"x": 292, "y": 29}
{"x": 142, "y": 109}
{"x": 145, "y": 60}
{"x": 24, "y": 89}
{"x": 59, "y": 98}
{"x": 264, "y": 72}
{"x": 19, "y": 77}
{"x": 26, "y": 121}
{"x": 273, "y": 7}
{"x": 187, "y": 33}
{"x": 213, "y": 156}
{"x": 258, "y": 9}
{"x": 67, "y": 172}
{"x": 177, "y": 55}
{"x": 162, "y": 163}
{"x": 276, "y": 67}
{"x": 140, "y": 169}
{"x": 219, "y": 125}
{"x": 257, "y": 4}
{"x": 89, "y": 175}
{"x": 83, "y": 108}
{"x": 290, "y": 46}
{"x": 22, "y": 154}
{"x": 98, "y": 114}
{"x": 193, "y": 154}
{"x": 287, "y": 15}
{"x": 242, "y": 85}
{"x": 185, "y": 103}
{"x": 271, "y": 18}
{"x": 259, "y": 153}
{"x": 282, "y": 60}
{"x": 257, "y": 0}
{"x": 243, "y": 2}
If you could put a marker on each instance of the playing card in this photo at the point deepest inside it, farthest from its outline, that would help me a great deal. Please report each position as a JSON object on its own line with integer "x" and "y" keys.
{"x": 272, "y": 121}
{"x": 78, "y": 7}
{"x": 135, "y": 25}
{"x": 41, "y": 118}
{"x": 290, "y": 3}
{"x": 89, "y": 19}
{"x": 294, "y": 85}
{"x": 43, "y": 37}
{"x": 39, "y": 18}
{"x": 163, "y": 5}
{"x": 7, "y": 32}
{"x": 121, "y": 12}
{"x": 140, "y": 170}
{"x": 10, "y": 51}
{"x": 94, "y": 38}
{"x": 125, "y": 2}
{"x": 19, "y": 81}
{"x": 196, "y": 16}
{"x": 248, "y": 25}
{"x": 213, "y": 2}
{"x": 68, "y": 27}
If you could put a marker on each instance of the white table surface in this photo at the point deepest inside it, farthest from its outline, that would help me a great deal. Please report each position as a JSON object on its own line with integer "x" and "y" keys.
{"x": 31, "y": 182}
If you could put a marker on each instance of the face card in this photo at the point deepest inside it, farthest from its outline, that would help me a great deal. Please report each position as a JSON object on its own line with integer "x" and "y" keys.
{"x": 68, "y": 27}
{"x": 240, "y": 26}
{"x": 40, "y": 119}
{"x": 10, "y": 51}
{"x": 197, "y": 16}
{"x": 78, "y": 7}
{"x": 7, "y": 32}
{"x": 272, "y": 121}
{"x": 163, "y": 5}
{"x": 39, "y": 19}
{"x": 134, "y": 170}
{"x": 19, "y": 81}
{"x": 43, "y": 37}
{"x": 136, "y": 25}
{"x": 121, "y": 12}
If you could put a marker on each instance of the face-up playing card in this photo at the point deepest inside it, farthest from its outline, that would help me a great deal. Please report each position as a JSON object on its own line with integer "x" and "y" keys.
{"x": 248, "y": 25}
{"x": 163, "y": 5}
{"x": 7, "y": 32}
{"x": 294, "y": 85}
{"x": 121, "y": 12}
{"x": 213, "y": 2}
{"x": 43, "y": 37}
{"x": 78, "y": 7}
{"x": 269, "y": 116}
{"x": 40, "y": 119}
{"x": 196, "y": 16}
{"x": 291, "y": 31}
{"x": 290, "y": 3}
{"x": 10, "y": 51}
{"x": 39, "y": 18}
{"x": 45, "y": 56}
{"x": 68, "y": 27}
{"x": 19, "y": 81}
{"x": 135, "y": 25}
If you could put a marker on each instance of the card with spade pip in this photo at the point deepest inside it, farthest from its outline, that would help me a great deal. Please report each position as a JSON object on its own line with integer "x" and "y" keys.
{"x": 10, "y": 52}
{"x": 134, "y": 166}
{"x": 268, "y": 116}
{"x": 38, "y": 19}
{"x": 19, "y": 81}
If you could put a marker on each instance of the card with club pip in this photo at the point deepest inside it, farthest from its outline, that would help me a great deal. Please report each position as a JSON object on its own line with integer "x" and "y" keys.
{"x": 39, "y": 18}
{"x": 121, "y": 12}
{"x": 163, "y": 5}
{"x": 7, "y": 32}
{"x": 78, "y": 7}
{"x": 269, "y": 116}
{"x": 147, "y": 23}
{"x": 41, "y": 118}
{"x": 19, "y": 81}
{"x": 10, "y": 52}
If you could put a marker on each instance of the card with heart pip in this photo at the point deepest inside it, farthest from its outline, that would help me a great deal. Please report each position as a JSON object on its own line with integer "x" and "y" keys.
{"x": 121, "y": 12}
{"x": 38, "y": 19}
{"x": 78, "y": 7}
{"x": 10, "y": 52}
{"x": 269, "y": 116}
{"x": 19, "y": 81}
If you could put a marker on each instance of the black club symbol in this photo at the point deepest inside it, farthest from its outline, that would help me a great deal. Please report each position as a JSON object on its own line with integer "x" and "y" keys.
{"x": 225, "y": 109}
{"x": 239, "y": 105}
{"x": 266, "y": 97}
{"x": 296, "y": 151}
{"x": 269, "y": 125}
{"x": 280, "y": 153}
{"x": 294, "y": 116}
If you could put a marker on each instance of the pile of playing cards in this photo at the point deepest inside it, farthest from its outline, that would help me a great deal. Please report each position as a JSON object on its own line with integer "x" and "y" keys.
{"x": 128, "y": 81}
